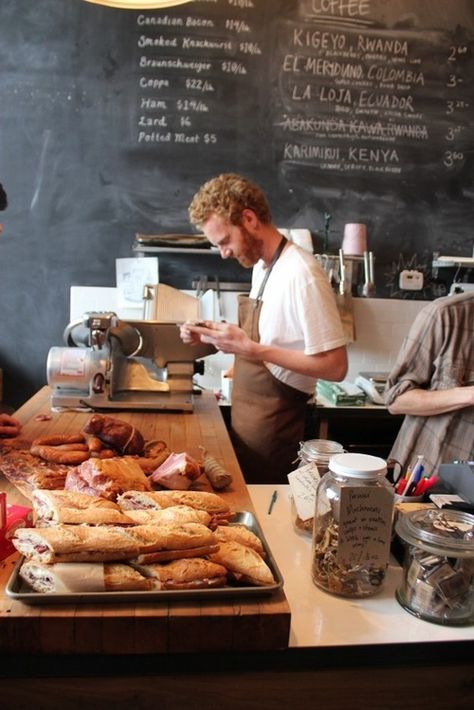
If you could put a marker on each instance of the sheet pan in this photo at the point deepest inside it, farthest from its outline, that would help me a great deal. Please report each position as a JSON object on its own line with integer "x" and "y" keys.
{"x": 18, "y": 590}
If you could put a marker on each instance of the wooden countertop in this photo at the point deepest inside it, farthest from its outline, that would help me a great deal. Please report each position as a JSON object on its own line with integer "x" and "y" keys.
{"x": 239, "y": 624}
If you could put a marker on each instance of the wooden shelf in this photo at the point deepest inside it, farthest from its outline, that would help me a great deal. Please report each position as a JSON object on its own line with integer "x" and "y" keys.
{"x": 141, "y": 249}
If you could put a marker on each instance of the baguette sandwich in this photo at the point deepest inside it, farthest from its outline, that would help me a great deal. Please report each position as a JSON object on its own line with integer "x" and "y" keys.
{"x": 77, "y": 543}
{"x": 70, "y": 507}
{"x": 173, "y": 514}
{"x": 200, "y": 500}
{"x": 243, "y": 564}
{"x": 84, "y": 577}
{"x": 240, "y": 533}
{"x": 187, "y": 573}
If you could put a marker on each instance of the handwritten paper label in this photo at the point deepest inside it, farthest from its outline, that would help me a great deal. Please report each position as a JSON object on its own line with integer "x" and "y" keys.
{"x": 365, "y": 525}
{"x": 132, "y": 275}
{"x": 303, "y": 482}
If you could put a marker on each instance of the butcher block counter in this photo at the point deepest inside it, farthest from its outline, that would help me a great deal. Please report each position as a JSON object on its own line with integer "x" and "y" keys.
{"x": 339, "y": 654}
{"x": 240, "y": 623}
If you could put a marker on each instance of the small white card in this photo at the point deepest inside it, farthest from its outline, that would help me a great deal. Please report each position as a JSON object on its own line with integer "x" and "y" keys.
{"x": 303, "y": 482}
{"x": 440, "y": 499}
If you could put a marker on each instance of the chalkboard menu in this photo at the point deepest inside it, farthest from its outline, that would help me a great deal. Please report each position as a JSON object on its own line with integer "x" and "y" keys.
{"x": 111, "y": 119}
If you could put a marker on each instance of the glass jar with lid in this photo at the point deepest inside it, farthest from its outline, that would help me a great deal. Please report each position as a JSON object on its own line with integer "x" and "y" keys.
{"x": 318, "y": 451}
{"x": 313, "y": 461}
{"x": 352, "y": 526}
{"x": 438, "y": 567}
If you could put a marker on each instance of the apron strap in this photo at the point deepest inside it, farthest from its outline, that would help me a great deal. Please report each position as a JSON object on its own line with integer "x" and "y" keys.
{"x": 275, "y": 258}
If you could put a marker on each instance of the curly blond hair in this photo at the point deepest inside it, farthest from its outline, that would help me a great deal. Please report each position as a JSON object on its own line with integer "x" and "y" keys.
{"x": 228, "y": 195}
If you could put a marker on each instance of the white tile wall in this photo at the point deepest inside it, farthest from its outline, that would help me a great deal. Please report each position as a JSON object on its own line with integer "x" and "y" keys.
{"x": 380, "y": 325}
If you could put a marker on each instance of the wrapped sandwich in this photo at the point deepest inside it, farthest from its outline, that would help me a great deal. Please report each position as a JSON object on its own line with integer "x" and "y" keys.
{"x": 75, "y": 577}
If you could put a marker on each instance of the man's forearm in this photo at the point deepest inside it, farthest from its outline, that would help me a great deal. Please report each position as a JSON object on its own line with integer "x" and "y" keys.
{"x": 330, "y": 365}
{"x": 426, "y": 403}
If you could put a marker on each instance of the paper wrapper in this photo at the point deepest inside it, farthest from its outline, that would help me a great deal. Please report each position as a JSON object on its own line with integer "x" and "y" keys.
{"x": 67, "y": 577}
{"x": 11, "y": 518}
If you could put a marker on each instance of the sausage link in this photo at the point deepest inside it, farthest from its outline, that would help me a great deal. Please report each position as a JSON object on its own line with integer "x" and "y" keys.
{"x": 94, "y": 444}
{"x": 55, "y": 454}
{"x": 58, "y": 439}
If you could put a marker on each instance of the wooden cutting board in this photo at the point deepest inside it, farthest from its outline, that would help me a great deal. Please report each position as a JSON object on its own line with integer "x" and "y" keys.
{"x": 239, "y": 624}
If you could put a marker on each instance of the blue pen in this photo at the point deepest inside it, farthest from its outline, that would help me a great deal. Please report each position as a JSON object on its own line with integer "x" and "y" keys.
{"x": 416, "y": 475}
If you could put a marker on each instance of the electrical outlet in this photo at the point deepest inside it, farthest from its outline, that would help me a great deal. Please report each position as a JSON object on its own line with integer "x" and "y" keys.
{"x": 411, "y": 280}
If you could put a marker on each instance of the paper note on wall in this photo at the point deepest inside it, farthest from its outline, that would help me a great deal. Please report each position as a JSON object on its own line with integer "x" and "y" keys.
{"x": 132, "y": 275}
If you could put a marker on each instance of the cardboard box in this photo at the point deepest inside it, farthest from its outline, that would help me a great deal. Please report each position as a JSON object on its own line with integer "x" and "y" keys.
{"x": 12, "y": 517}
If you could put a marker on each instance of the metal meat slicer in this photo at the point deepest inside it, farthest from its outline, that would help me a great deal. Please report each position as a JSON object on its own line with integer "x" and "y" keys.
{"x": 113, "y": 364}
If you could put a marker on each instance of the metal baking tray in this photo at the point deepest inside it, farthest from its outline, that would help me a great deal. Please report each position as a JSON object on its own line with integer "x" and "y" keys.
{"x": 18, "y": 590}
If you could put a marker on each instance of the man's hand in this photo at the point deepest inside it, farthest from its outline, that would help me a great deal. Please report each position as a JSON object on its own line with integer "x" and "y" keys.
{"x": 9, "y": 426}
{"x": 224, "y": 336}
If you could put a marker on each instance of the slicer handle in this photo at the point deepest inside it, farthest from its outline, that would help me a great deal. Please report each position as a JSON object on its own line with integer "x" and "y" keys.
{"x": 98, "y": 383}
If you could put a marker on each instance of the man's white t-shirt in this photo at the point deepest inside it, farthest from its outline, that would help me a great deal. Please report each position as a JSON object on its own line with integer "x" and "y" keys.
{"x": 299, "y": 311}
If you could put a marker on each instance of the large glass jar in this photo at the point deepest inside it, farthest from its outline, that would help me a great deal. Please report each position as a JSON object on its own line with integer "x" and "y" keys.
{"x": 438, "y": 568}
{"x": 352, "y": 526}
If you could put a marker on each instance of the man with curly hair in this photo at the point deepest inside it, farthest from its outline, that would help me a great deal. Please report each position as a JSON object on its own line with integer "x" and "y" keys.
{"x": 289, "y": 331}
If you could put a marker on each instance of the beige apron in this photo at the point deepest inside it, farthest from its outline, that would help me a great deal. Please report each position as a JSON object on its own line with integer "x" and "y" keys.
{"x": 268, "y": 416}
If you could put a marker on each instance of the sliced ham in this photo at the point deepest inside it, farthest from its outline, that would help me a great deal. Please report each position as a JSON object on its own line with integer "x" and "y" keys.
{"x": 107, "y": 478}
{"x": 177, "y": 472}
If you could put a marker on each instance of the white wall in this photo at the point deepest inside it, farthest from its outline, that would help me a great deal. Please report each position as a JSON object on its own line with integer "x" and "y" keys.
{"x": 381, "y": 325}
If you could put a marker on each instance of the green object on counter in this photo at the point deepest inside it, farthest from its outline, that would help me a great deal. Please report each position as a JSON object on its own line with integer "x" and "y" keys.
{"x": 341, "y": 393}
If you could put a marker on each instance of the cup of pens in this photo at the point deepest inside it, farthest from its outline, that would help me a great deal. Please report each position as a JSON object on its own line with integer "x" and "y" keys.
{"x": 414, "y": 484}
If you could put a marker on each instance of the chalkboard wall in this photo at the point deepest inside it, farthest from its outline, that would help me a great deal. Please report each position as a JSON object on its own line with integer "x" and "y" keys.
{"x": 111, "y": 119}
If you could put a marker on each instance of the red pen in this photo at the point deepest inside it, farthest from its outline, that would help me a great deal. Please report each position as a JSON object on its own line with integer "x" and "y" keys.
{"x": 401, "y": 485}
{"x": 431, "y": 481}
{"x": 420, "y": 487}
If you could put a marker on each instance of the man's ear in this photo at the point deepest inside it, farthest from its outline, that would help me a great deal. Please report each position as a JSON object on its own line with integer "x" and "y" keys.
{"x": 249, "y": 218}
